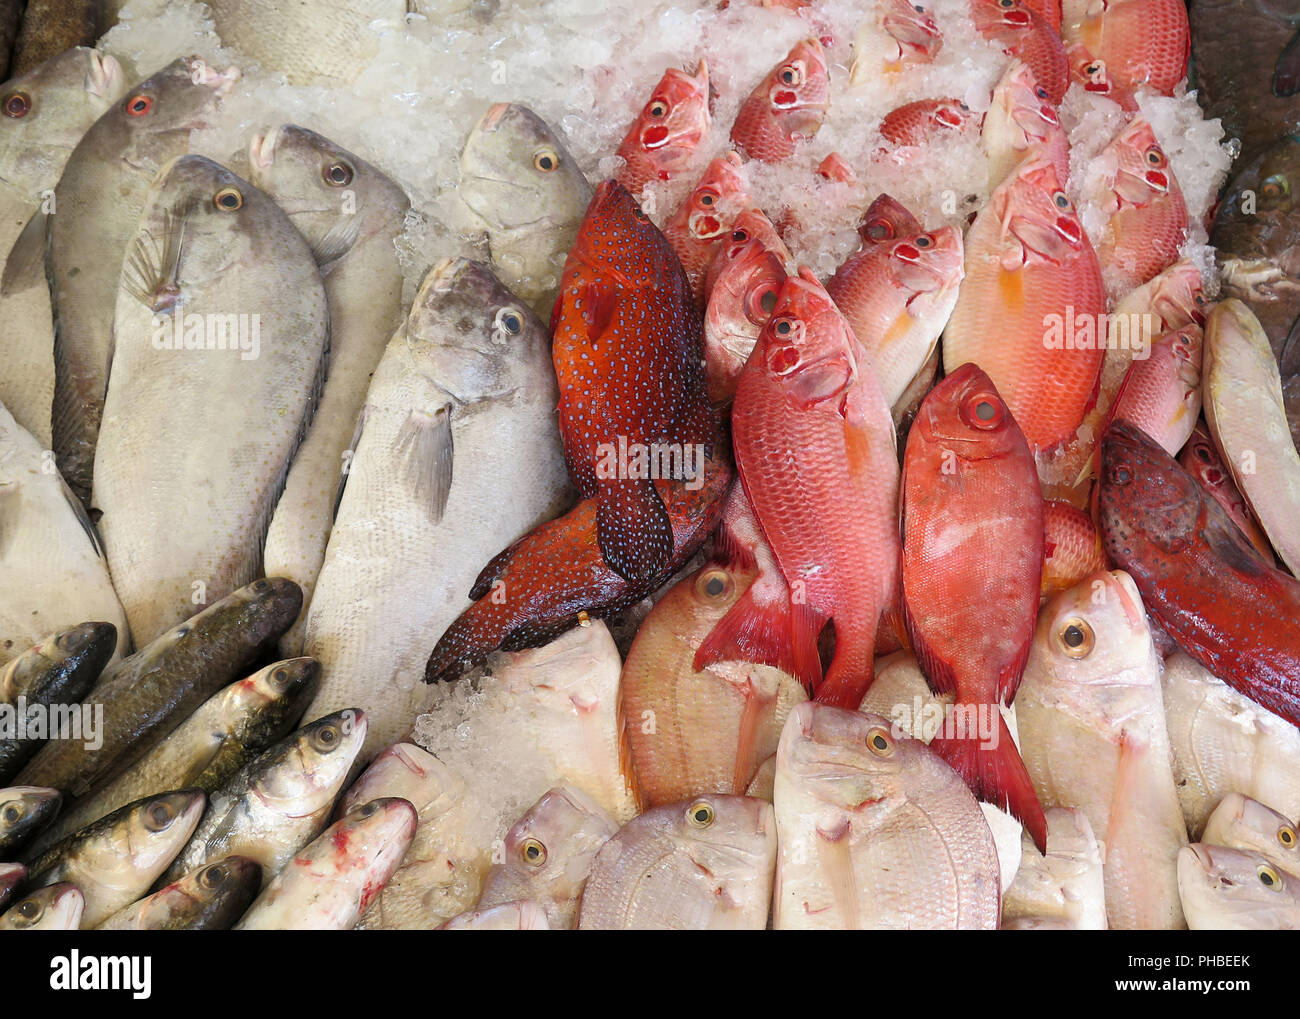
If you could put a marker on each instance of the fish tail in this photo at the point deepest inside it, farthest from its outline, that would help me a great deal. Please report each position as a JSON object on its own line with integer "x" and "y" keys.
{"x": 763, "y": 634}
{"x": 994, "y": 772}
{"x": 852, "y": 671}
{"x": 633, "y": 529}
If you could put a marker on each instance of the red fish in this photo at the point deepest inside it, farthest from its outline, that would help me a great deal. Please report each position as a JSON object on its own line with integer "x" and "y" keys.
{"x": 927, "y": 120}
{"x": 626, "y": 344}
{"x": 787, "y": 105}
{"x": 1022, "y": 123}
{"x": 1161, "y": 393}
{"x": 740, "y": 303}
{"x": 1028, "y": 36}
{"x": 1031, "y": 311}
{"x": 1071, "y": 547}
{"x": 1200, "y": 458}
{"x": 815, "y": 448}
{"x": 1222, "y": 601}
{"x": 1091, "y": 73}
{"x": 1148, "y": 218}
{"x": 900, "y": 33}
{"x": 750, "y": 225}
{"x": 972, "y": 569}
{"x": 1048, "y": 10}
{"x": 885, "y": 220}
{"x": 835, "y": 167}
{"x": 1143, "y": 42}
{"x": 672, "y": 124}
{"x": 703, "y": 221}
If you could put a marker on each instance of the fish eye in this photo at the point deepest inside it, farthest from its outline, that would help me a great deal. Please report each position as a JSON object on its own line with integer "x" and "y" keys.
{"x": 1092, "y": 69}
{"x": 1276, "y": 186}
{"x": 783, "y": 327}
{"x": 139, "y": 104}
{"x": 326, "y": 738}
{"x": 1269, "y": 878}
{"x": 791, "y": 75}
{"x": 280, "y": 677}
{"x": 159, "y": 816}
{"x": 739, "y": 236}
{"x": 658, "y": 108}
{"x": 509, "y": 320}
{"x": 532, "y": 852}
{"x": 1076, "y": 638}
{"x": 545, "y": 160}
{"x": 1286, "y": 836}
{"x": 228, "y": 199}
{"x": 1040, "y": 92}
{"x": 1060, "y": 200}
{"x": 707, "y": 197}
{"x": 918, "y": 8}
{"x": 13, "y": 812}
{"x": 924, "y": 241}
{"x": 17, "y": 104}
{"x": 1120, "y": 475}
{"x": 639, "y": 213}
{"x": 879, "y": 742}
{"x": 338, "y": 174}
{"x": 1006, "y": 5}
{"x": 213, "y": 876}
{"x": 984, "y": 411}
{"x": 713, "y": 584}
{"x": 29, "y": 909}
{"x": 700, "y": 814}
{"x": 1156, "y": 157}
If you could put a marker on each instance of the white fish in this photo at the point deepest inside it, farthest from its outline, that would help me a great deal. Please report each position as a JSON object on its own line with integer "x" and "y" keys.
{"x": 508, "y": 916}
{"x": 1242, "y": 823}
{"x": 1231, "y": 890}
{"x": 53, "y": 908}
{"x": 1066, "y": 886}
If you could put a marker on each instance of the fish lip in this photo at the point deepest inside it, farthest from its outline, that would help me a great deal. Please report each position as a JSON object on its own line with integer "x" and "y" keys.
{"x": 1202, "y": 854}
{"x": 261, "y": 148}
{"x": 492, "y": 118}
{"x": 202, "y": 73}
{"x": 104, "y": 72}
{"x": 442, "y": 275}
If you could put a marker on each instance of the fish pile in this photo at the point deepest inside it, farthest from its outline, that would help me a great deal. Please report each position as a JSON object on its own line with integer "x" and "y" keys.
{"x": 847, "y": 480}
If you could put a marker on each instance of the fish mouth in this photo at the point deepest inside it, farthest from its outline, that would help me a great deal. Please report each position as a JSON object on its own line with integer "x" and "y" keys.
{"x": 104, "y": 76}
{"x": 442, "y": 275}
{"x": 261, "y": 148}
{"x": 222, "y": 82}
{"x": 491, "y": 120}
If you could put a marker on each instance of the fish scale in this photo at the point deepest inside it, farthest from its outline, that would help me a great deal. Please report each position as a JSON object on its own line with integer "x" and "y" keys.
{"x": 1143, "y": 42}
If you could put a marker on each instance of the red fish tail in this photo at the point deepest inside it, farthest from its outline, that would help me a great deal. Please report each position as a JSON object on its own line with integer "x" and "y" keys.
{"x": 765, "y": 635}
{"x": 994, "y": 772}
{"x": 852, "y": 670}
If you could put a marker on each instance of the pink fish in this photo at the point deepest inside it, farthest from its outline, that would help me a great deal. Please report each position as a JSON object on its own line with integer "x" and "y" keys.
{"x": 669, "y": 129}
{"x": 1025, "y": 34}
{"x": 705, "y": 218}
{"x": 786, "y": 106}
{"x": 1021, "y": 123}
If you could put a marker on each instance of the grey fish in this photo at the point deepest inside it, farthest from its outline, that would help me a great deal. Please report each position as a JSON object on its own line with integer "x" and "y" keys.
{"x": 212, "y": 898}
{"x": 24, "y": 811}
{"x": 53, "y": 908}
{"x": 146, "y": 696}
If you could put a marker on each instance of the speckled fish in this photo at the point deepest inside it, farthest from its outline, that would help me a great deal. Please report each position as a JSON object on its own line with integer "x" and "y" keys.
{"x": 1025, "y": 34}
{"x": 740, "y": 303}
{"x": 116, "y": 859}
{"x": 1239, "y": 822}
{"x": 47, "y": 110}
{"x": 1143, "y": 42}
{"x": 220, "y": 341}
{"x": 1201, "y": 460}
{"x": 897, "y": 298}
{"x": 664, "y": 136}
{"x": 1089, "y": 72}
{"x": 279, "y": 801}
{"x": 785, "y": 107}
{"x": 1031, "y": 305}
{"x": 1071, "y": 546}
{"x": 875, "y": 831}
{"x": 695, "y": 732}
{"x": 1093, "y": 736}
{"x": 899, "y": 34}
{"x": 350, "y": 213}
{"x": 699, "y": 227}
{"x": 61, "y": 670}
{"x": 548, "y": 855}
{"x": 99, "y": 199}
{"x": 331, "y": 883}
{"x": 51, "y": 27}
{"x": 53, "y": 575}
{"x": 508, "y": 916}
{"x": 1224, "y": 743}
{"x": 529, "y": 196}
{"x": 705, "y": 864}
{"x": 927, "y": 120}
{"x": 54, "y": 908}
{"x": 24, "y": 811}
{"x": 149, "y": 694}
{"x": 432, "y": 492}
{"x": 1231, "y": 890}
{"x": 1066, "y": 884}
{"x": 211, "y": 898}
{"x": 1022, "y": 123}
{"x": 972, "y": 521}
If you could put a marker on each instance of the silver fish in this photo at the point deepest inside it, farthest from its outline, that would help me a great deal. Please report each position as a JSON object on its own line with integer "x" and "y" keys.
{"x": 55, "y": 908}
{"x": 212, "y": 898}
{"x": 24, "y": 810}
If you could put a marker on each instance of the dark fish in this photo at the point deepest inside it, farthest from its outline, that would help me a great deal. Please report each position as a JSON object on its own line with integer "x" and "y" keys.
{"x": 212, "y": 898}
{"x": 51, "y": 26}
{"x": 24, "y": 810}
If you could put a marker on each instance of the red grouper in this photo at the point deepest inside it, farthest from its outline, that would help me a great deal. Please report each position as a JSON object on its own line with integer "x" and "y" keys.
{"x": 816, "y": 450}
{"x": 972, "y": 569}
{"x": 642, "y": 445}
{"x": 1199, "y": 577}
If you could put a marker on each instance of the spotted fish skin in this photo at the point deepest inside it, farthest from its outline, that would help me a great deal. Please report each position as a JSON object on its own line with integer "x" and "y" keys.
{"x": 627, "y": 346}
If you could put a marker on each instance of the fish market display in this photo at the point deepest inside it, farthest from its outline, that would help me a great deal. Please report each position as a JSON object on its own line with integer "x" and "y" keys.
{"x": 1234, "y": 890}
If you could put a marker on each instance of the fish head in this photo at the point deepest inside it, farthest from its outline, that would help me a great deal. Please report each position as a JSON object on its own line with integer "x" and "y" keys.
{"x": 675, "y": 118}
{"x": 1177, "y": 295}
{"x": 728, "y": 836}
{"x": 149, "y": 833}
{"x": 549, "y": 850}
{"x": 807, "y": 346}
{"x": 1143, "y": 174}
{"x": 88, "y": 646}
{"x": 1257, "y": 215}
{"x": 1143, "y": 491}
{"x": 333, "y": 197}
{"x": 1244, "y": 823}
{"x": 1022, "y": 114}
{"x": 266, "y": 608}
{"x": 56, "y": 907}
{"x": 912, "y": 24}
{"x": 618, "y": 239}
{"x": 964, "y": 415}
{"x": 376, "y": 835}
{"x": 516, "y": 173}
{"x": 926, "y": 264}
{"x": 887, "y": 219}
{"x": 835, "y": 167}
{"x": 25, "y": 809}
{"x": 412, "y": 773}
{"x": 719, "y": 197}
{"x": 1225, "y": 888}
{"x": 235, "y": 878}
{"x": 1004, "y": 20}
{"x": 1092, "y": 74}
{"x": 302, "y": 774}
{"x": 798, "y": 88}
{"x": 1034, "y": 209}
{"x": 184, "y": 96}
{"x": 712, "y": 591}
{"x": 740, "y": 303}
{"x": 472, "y": 335}
{"x": 267, "y": 701}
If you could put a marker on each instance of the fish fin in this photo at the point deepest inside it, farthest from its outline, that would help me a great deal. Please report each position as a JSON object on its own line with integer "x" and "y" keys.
{"x": 1127, "y": 781}
{"x": 633, "y": 529}
{"x": 346, "y": 467}
{"x": 598, "y": 303}
{"x": 762, "y": 634}
{"x": 337, "y": 242}
{"x": 1286, "y": 76}
{"x": 83, "y": 518}
{"x": 425, "y": 440}
{"x": 852, "y": 669}
{"x": 747, "y": 759}
{"x": 149, "y": 270}
{"x": 806, "y": 625}
{"x": 25, "y": 266}
{"x": 937, "y": 671}
{"x": 996, "y": 775}
{"x": 820, "y": 382}
{"x": 493, "y": 571}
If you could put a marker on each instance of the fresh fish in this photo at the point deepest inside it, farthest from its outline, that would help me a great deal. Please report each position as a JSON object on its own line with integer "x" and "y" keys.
{"x": 1071, "y": 547}
{"x": 1093, "y": 736}
{"x": 704, "y": 864}
{"x": 1026, "y": 35}
{"x": 1032, "y": 305}
{"x": 324, "y": 42}
{"x": 927, "y": 120}
{"x": 900, "y": 34}
{"x": 1066, "y": 884}
{"x": 835, "y": 167}
{"x": 11, "y": 876}
{"x": 146, "y": 696}
{"x": 699, "y": 228}
{"x": 785, "y": 107}
{"x": 1048, "y": 10}
{"x": 52, "y": 572}
{"x": 331, "y": 883}
{"x": 1091, "y": 74}
{"x": 1225, "y": 744}
{"x": 223, "y": 415}
{"x": 522, "y": 184}
{"x": 972, "y": 521}
{"x": 54, "y": 908}
{"x": 24, "y": 811}
{"x": 1161, "y": 394}
{"x": 229, "y": 728}
{"x": 211, "y": 898}
{"x": 699, "y": 732}
{"x": 1231, "y": 890}
{"x": 279, "y": 801}
{"x": 548, "y": 855}
{"x": 508, "y": 916}
{"x": 815, "y": 448}
{"x": 51, "y": 27}
{"x": 1143, "y": 42}
{"x": 350, "y": 214}
{"x": 663, "y": 138}
{"x": 61, "y": 670}
{"x": 116, "y": 859}
{"x": 740, "y": 303}
{"x": 47, "y": 110}
{"x": 750, "y": 224}
{"x": 1202, "y": 461}
{"x": 897, "y": 298}
{"x": 886, "y": 220}
{"x": 421, "y": 509}
{"x": 1022, "y": 123}
{"x": 875, "y": 831}
{"x": 1239, "y": 822}
{"x": 99, "y": 198}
